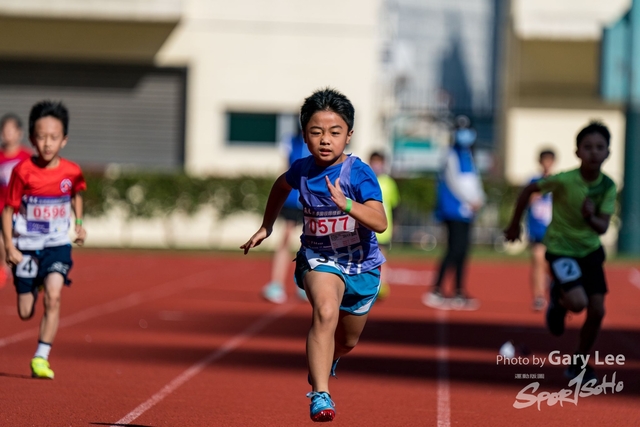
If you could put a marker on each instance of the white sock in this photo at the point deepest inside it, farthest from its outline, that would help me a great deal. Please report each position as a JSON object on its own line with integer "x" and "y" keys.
{"x": 43, "y": 350}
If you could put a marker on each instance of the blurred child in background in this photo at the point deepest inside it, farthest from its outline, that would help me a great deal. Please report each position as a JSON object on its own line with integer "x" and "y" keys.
{"x": 538, "y": 218}
{"x": 291, "y": 213}
{"x": 583, "y": 202}
{"x": 390, "y": 200}
{"x": 460, "y": 196}
{"x": 12, "y": 152}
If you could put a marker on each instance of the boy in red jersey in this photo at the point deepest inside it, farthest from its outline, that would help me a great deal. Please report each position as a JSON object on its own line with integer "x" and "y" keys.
{"x": 42, "y": 193}
{"x": 11, "y": 153}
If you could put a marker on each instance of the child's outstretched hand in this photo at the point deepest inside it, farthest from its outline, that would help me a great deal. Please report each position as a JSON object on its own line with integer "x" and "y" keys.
{"x": 81, "y": 235}
{"x": 256, "y": 239}
{"x": 337, "y": 195}
{"x": 512, "y": 233}
{"x": 588, "y": 208}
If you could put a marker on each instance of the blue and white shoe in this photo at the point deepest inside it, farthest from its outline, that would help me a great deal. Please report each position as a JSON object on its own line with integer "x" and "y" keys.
{"x": 334, "y": 365}
{"x": 302, "y": 295}
{"x": 322, "y": 408}
{"x": 274, "y": 292}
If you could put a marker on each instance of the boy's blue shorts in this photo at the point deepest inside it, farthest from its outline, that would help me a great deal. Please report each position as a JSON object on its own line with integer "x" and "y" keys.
{"x": 30, "y": 273}
{"x": 361, "y": 290}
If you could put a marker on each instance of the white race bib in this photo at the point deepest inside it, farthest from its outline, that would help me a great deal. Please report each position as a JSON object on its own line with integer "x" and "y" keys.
{"x": 315, "y": 259}
{"x": 314, "y": 226}
{"x": 27, "y": 268}
{"x": 48, "y": 215}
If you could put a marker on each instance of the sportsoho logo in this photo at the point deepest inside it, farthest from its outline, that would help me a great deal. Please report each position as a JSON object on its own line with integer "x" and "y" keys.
{"x": 577, "y": 387}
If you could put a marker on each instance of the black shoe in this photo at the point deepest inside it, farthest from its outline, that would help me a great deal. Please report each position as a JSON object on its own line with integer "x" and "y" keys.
{"x": 555, "y": 312}
{"x": 574, "y": 370}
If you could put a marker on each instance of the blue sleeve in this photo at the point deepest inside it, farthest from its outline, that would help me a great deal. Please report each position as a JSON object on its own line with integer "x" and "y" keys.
{"x": 293, "y": 174}
{"x": 365, "y": 183}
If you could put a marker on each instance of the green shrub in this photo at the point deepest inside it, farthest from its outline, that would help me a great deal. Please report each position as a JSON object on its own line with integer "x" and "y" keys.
{"x": 146, "y": 195}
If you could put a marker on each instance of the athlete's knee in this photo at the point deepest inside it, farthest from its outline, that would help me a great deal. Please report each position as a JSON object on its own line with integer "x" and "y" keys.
{"x": 348, "y": 343}
{"x": 52, "y": 302}
{"x": 326, "y": 313}
{"x": 596, "y": 312}
{"x": 26, "y": 313}
{"x": 575, "y": 300}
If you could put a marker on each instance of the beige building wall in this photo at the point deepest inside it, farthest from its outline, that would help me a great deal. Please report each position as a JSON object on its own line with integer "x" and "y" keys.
{"x": 261, "y": 56}
{"x": 531, "y": 129}
{"x": 552, "y": 73}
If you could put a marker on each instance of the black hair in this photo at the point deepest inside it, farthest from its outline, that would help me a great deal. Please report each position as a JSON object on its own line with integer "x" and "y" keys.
{"x": 53, "y": 109}
{"x": 10, "y": 117}
{"x": 548, "y": 152}
{"x": 593, "y": 127}
{"x": 327, "y": 100}
{"x": 377, "y": 154}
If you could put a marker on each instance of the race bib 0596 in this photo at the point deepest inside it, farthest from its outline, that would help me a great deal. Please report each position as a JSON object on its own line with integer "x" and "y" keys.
{"x": 48, "y": 214}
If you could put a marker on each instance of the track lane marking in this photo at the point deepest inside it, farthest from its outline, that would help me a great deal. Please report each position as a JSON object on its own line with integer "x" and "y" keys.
{"x": 443, "y": 393}
{"x": 195, "y": 369}
{"x": 136, "y": 298}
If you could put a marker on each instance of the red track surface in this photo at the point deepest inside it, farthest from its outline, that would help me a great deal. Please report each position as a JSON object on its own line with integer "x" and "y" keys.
{"x": 132, "y": 323}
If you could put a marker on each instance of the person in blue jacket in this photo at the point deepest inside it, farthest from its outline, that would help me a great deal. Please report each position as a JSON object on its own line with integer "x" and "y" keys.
{"x": 460, "y": 196}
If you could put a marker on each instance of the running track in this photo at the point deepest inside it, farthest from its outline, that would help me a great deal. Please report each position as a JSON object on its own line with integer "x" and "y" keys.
{"x": 161, "y": 339}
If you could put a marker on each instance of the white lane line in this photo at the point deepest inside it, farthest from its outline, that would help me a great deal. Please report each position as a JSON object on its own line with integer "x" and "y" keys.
{"x": 403, "y": 276}
{"x": 444, "y": 407}
{"x": 136, "y": 298}
{"x": 195, "y": 369}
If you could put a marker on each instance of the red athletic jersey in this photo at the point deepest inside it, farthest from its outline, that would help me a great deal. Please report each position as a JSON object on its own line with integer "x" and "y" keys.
{"x": 28, "y": 179}
{"x": 7, "y": 163}
{"x": 42, "y": 199}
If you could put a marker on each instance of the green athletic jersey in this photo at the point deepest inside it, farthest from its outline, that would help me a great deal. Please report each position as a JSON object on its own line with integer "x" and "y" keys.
{"x": 390, "y": 199}
{"x": 569, "y": 233}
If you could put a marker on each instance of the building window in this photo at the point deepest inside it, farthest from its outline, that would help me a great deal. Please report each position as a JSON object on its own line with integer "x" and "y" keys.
{"x": 266, "y": 129}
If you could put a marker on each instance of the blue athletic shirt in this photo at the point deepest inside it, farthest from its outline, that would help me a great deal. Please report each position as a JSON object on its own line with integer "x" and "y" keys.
{"x": 539, "y": 214}
{"x": 327, "y": 230}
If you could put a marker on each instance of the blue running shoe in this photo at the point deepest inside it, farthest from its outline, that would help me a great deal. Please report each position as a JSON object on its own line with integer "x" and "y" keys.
{"x": 274, "y": 292}
{"x": 555, "y": 311}
{"x": 322, "y": 408}
{"x": 333, "y": 371}
{"x": 302, "y": 295}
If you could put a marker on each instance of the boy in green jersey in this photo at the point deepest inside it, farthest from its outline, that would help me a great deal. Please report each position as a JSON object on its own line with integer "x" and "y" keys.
{"x": 583, "y": 202}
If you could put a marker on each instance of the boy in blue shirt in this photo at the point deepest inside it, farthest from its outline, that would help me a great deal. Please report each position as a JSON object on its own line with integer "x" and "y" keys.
{"x": 538, "y": 219}
{"x": 339, "y": 261}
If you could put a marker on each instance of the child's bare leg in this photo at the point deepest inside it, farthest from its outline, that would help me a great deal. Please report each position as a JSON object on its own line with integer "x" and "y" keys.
{"x": 325, "y": 291}
{"x": 348, "y": 333}
{"x": 26, "y": 305}
{"x": 538, "y": 270}
{"x": 591, "y": 326}
{"x": 52, "y": 289}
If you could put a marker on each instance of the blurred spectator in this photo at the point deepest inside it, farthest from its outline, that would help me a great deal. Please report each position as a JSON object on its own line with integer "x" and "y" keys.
{"x": 460, "y": 196}
{"x": 390, "y": 200}
{"x": 291, "y": 212}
